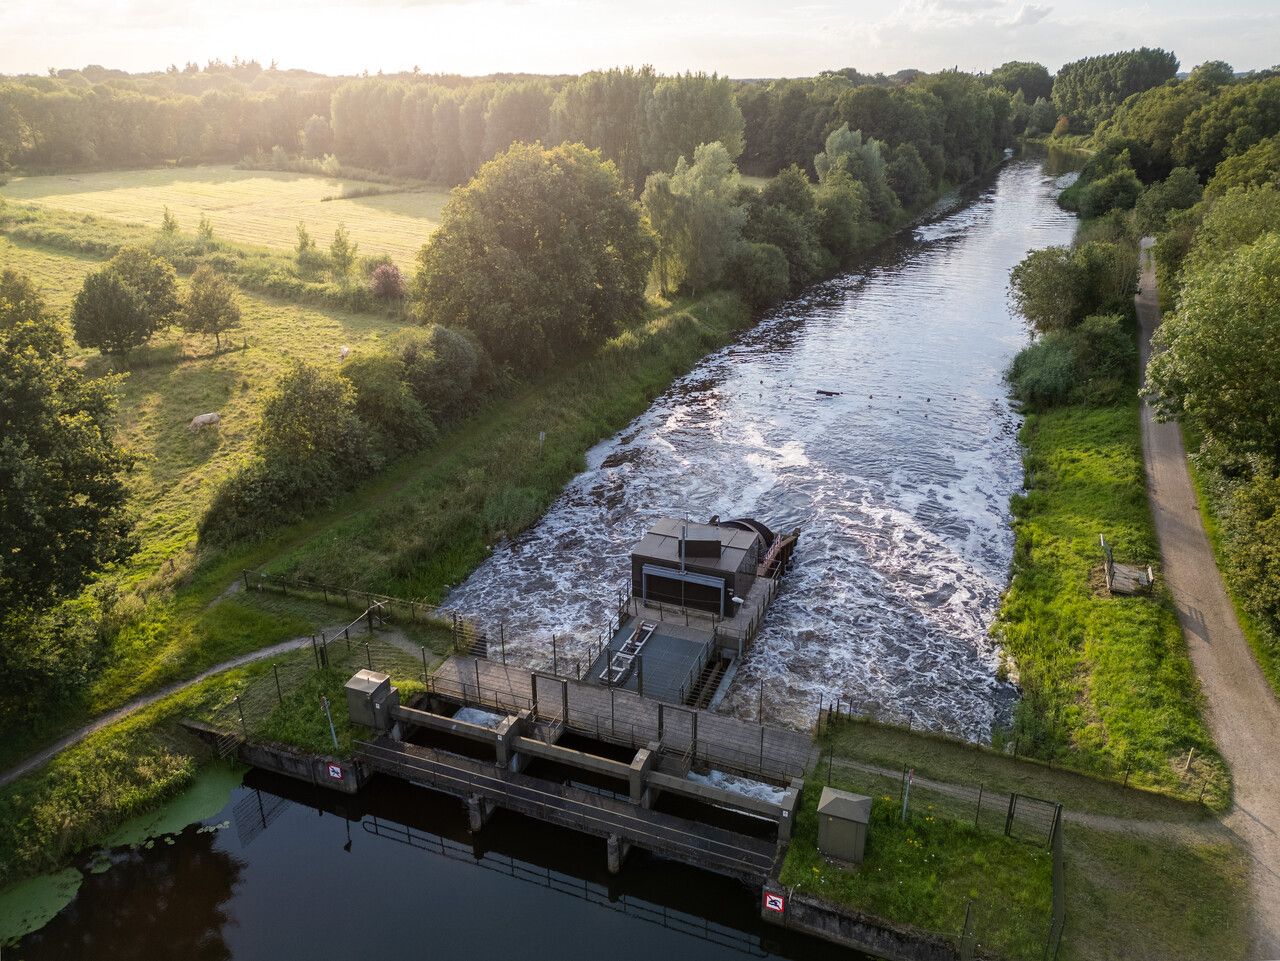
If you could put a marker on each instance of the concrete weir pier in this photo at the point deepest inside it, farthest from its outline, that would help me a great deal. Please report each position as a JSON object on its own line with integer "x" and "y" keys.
{"x": 710, "y": 791}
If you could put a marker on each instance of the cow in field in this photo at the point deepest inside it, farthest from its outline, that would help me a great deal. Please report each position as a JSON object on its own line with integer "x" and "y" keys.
{"x": 344, "y": 352}
{"x": 201, "y": 421}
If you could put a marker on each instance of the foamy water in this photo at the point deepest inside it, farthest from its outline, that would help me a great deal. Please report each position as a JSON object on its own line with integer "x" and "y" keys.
{"x": 900, "y": 486}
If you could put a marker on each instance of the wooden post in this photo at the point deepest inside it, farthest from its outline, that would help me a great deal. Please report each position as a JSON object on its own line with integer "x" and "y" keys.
{"x": 425, "y": 673}
{"x": 977, "y": 814}
{"x": 555, "y": 660}
{"x": 246, "y": 580}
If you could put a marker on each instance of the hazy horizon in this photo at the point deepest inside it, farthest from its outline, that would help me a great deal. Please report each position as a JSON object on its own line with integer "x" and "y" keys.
{"x": 747, "y": 39}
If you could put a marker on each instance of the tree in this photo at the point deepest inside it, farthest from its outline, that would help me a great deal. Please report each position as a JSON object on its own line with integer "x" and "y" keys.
{"x": 63, "y": 498}
{"x": 109, "y": 315}
{"x": 446, "y": 370}
{"x": 152, "y": 278}
{"x": 907, "y": 175}
{"x": 1214, "y": 366}
{"x": 608, "y": 110}
{"x": 760, "y": 273}
{"x": 1179, "y": 191}
{"x": 785, "y": 215}
{"x": 1032, "y": 79}
{"x": 864, "y": 160}
{"x": 1088, "y": 91}
{"x": 687, "y": 111}
{"x": 844, "y": 215}
{"x": 317, "y": 137}
{"x": 210, "y": 306}
{"x": 204, "y": 230}
{"x": 305, "y": 249}
{"x": 342, "y": 252}
{"x": 543, "y": 254}
{"x": 168, "y": 223}
{"x": 386, "y": 404}
{"x": 697, "y": 216}
{"x": 1258, "y": 165}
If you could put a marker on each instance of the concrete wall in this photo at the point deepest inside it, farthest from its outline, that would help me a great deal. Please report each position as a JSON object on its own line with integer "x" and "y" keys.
{"x": 316, "y": 769}
{"x": 850, "y": 928}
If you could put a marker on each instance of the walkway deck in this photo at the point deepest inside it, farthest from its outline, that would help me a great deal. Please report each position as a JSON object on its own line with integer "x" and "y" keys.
{"x": 770, "y": 753}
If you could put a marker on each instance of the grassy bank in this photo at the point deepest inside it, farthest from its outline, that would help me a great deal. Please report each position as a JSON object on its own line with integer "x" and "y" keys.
{"x": 1108, "y": 685}
{"x": 924, "y": 872}
{"x": 1147, "y": 877}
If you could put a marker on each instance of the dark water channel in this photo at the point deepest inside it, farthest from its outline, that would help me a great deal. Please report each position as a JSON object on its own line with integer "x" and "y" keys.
{"x": 287, "y": 871}
{"x": 901, "y": 485}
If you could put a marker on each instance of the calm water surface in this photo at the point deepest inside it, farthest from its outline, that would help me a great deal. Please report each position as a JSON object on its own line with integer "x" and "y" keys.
{"x": 287, "y": 871}
{"x": 901, "y": 485}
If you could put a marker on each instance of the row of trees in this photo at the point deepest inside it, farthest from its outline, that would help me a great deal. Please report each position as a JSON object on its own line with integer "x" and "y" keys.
{"x": 124, "y": 304}
{"x": 444, "y": 128}
{"x": 638, "y": 119}
{"x": 1088, "y": 91}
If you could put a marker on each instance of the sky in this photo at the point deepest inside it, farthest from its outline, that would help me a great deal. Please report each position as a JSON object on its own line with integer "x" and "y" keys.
{"x": 740, "y": 38}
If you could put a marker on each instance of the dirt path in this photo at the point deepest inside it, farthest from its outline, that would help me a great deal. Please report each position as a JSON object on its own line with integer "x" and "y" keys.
{"x": 97, "y": 724}
{"x": 1242, "y": 712}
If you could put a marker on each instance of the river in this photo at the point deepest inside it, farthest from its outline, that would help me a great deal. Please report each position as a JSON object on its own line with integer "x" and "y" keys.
{"x": 900, "y": 485}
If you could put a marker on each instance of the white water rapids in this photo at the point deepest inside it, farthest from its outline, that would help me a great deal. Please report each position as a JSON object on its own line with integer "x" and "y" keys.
{"x": 900, "y": 486}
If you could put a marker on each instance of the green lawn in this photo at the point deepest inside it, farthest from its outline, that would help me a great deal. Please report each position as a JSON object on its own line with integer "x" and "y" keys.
{"x": 256, "y": 207}
{"x": 1107, "y": 681}
{"x": 1174, "y": 885}
{"x": 925, "y": 872}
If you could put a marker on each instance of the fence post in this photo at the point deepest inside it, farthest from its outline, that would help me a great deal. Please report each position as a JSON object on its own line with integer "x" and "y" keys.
{"x": 1057, "y": 821}
{"x": 760, "y": 707}
{"x": 276, "y": 671}
{"x": 1008, "y": 820}
{"x": 368, "y": 653}
{"x": 315, "y": 651}
{"x": 978, "y": 813}
{"x": 502, "y": 640}
{"x": 555, "y": 659}
{"x": 244, "y": 728}
{"x": 425, "y": 675}
{"x": 761, "y": 747}
{"x": 246, "y": 580}
{"x": 612, "y": 692}
{"x": 476, "y": 662}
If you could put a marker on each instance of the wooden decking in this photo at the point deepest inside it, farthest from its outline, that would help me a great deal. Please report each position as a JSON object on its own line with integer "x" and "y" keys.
{"x": 770, "y": 753}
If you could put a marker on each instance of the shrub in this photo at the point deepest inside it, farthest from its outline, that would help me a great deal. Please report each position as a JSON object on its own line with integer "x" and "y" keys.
{"x": 447, "y": 370}
{"x": 1044, "y": 373}
{"x": 386, "y": 404}
{"x": 1062, "y": 127}
{"x": 760, "y": 273}
{"x": 386, "y": 282}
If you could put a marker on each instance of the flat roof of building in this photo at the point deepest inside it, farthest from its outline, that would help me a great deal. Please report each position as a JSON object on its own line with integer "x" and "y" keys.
{"x": 662, "y": 543}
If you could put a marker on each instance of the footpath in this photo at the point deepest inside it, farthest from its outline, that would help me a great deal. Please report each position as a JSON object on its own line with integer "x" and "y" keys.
{"x": 1241, "y": 710}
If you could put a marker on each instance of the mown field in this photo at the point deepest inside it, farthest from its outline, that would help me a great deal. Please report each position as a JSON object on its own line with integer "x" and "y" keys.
{"x": 261, "y": 208}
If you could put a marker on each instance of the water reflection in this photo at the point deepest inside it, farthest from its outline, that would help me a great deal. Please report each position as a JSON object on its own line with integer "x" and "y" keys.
{"x": 291, "y": 871}
{"x": 901, "y": 484}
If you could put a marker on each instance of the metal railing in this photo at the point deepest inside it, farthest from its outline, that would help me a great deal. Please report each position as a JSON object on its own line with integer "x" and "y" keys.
{"x": 591, "y": 817}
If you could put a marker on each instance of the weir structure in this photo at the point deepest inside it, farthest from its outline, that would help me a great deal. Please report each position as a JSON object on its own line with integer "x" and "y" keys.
{"x": 709, "y": 791}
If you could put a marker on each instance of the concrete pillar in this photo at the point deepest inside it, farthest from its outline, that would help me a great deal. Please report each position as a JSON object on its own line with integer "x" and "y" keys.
{"x": 617, "y": 849}
{"x": 478, "y": 811}
{"x": 639, "y": 774}
{"x": 521, "y": 726}
{"x": 790, "y": 804}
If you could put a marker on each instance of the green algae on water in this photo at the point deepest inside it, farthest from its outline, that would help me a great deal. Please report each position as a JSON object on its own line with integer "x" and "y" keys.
{"x": 204, "y": 797}
{"x": 30, "y": 905}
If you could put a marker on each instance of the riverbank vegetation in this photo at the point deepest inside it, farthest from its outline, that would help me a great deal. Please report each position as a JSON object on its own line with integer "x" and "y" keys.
{"x": 1198, "y": 161}
{"x": 1107, "y": 684}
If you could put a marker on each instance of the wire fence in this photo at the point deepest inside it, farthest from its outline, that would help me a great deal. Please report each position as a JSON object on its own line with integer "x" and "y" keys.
{"x": 1034, "y": 821}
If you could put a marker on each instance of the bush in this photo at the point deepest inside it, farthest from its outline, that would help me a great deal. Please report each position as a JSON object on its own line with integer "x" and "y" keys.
{"x": 1044, "y": 373}
{"x": 386, "y": 404}
{"x": 1093, "y": 363}
{"x": 310, "y": 446}
{"x": 386, "y": 282}
{"x": 447, "y": 370}
{"x": 1118, "y": 190}
{"x": 760, "y": 273}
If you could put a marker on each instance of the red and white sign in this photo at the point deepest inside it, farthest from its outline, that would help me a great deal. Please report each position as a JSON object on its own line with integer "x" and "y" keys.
{"x": 335, "y": 772}
{"x": 774, "y": 902}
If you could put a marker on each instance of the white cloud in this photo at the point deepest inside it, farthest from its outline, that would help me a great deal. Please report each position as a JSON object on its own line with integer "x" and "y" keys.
{"x": 1029, "y": 14}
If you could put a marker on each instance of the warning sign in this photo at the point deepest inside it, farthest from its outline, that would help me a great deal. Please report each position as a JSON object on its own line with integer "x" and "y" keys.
{"x": 335, "y": 772}
{"x": 774, "y": 902}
